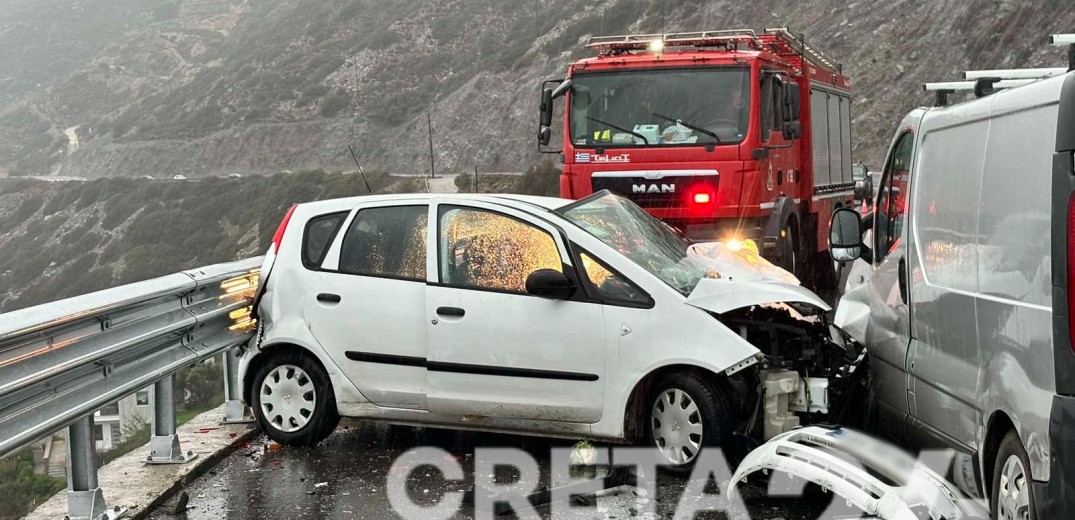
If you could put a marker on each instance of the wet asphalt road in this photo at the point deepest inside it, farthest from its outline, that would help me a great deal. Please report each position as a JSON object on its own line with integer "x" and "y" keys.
{"x": 345, "y": 477}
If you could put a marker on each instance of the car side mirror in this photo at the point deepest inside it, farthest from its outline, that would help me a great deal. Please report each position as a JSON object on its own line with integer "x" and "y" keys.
{"x": 550, "y": 283}
{"x": 845, "y": 235}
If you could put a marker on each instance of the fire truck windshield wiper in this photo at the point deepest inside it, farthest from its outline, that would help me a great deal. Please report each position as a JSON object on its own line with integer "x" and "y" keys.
{"x": 620, "y": 128}
{"x": 696, "y": 128}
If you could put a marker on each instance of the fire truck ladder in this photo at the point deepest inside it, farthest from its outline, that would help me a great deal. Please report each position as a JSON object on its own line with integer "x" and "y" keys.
{"x": 633, "y": 42}
{"x": 796, "y": 46}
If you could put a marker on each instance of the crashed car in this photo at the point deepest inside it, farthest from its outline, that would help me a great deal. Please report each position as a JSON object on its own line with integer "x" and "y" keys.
{"x": 580, "y": 319}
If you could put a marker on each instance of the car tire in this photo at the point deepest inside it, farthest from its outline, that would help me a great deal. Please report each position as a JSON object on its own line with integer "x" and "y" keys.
{"x": 293, "y": 401}
{"x": 673, "y": 429}
{"x": 1011, "y": 495}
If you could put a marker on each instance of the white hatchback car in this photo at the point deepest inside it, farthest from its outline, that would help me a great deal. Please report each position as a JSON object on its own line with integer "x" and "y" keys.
{"x": 581, "y": 319}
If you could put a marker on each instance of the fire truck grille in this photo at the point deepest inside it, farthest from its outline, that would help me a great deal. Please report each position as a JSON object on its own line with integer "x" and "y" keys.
{"x": 666, "y": 192}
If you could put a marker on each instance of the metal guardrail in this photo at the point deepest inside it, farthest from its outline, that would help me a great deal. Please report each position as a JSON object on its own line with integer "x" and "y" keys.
{"x": 61, "y": 361}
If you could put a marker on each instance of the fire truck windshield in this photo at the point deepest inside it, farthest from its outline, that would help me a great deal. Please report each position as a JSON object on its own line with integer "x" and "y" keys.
{"x": 660, "y": 107}
{"x": 643, "y": 239}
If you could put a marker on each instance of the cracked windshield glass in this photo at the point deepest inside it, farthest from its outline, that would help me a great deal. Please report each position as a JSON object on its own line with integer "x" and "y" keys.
{"x": 660, "y": 107}
{"x": 648, "y": 242}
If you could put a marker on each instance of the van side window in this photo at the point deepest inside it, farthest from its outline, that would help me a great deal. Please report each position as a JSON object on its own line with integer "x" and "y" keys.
{"x": 388, "y": 242}
{"x": 891, "y": 205}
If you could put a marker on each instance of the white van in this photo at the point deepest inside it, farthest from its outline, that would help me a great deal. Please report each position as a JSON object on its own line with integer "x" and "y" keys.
{"x": 964, "y": 307}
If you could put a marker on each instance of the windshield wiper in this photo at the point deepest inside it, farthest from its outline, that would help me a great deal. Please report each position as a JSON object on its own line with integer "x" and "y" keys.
{"x": 620, "y": 128}
{"x": 688, "y": 125}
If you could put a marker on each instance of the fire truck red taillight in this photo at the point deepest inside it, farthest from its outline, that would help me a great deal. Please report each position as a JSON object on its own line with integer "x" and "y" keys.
{"x": 700, "y": 196}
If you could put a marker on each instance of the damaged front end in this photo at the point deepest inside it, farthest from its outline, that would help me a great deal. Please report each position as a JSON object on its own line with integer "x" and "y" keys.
{"x": 808, "y": 371}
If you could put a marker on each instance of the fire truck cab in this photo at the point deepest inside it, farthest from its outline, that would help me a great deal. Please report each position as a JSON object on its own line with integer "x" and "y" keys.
{"x": 728, "y": 136}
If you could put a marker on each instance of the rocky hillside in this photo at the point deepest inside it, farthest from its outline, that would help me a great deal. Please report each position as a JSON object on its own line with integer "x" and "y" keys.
{"x": 211, "y": 87}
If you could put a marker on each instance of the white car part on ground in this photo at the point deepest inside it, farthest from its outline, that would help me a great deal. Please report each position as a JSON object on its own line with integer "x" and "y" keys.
{"x": 869, "y": 474}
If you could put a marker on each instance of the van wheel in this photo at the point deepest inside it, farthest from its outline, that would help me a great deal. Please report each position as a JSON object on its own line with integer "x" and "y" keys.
{"x": 1012, "y": 498}
{"x": 293, "y": 400}
{"x": 686, "y": 414}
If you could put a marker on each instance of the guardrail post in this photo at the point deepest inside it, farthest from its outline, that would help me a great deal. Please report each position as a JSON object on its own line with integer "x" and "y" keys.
{"x": 164, "y": 445}
{"x": 234, "y": 410}
{"x": 84, "y": 496}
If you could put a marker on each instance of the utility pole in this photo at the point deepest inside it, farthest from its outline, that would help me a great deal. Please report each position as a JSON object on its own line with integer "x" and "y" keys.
{"x": 475, "y": 178}
{"x": 429, "y": 125}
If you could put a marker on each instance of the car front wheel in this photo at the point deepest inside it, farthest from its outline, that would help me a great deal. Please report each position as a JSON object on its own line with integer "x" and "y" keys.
{"x": 293, "y": 400}
{"x": 686, "y": 414}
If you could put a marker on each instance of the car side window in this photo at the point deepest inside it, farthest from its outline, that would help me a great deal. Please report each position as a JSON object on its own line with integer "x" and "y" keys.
{"x": 608, "y": 285}
{"x": 318, "y": 236}
{"x": 891, "y": 205}
{"x": 486, "y": 250}
{"x": 388, "y": 241}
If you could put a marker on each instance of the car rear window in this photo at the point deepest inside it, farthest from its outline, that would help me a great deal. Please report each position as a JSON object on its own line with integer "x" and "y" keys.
{"x": 319, "y": 233}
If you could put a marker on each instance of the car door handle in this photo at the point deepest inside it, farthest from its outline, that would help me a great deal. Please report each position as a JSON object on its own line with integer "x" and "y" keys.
{"x": 903, "y": 279}
{"x": 451, "y": 311}
{"x": 328, "y": 298}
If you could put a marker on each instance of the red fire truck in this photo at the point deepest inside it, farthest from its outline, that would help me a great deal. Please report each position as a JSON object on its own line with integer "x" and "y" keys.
{"x": 727, "y": 135}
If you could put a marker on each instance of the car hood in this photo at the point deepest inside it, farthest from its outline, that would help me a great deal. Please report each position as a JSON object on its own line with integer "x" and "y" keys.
{"x": 741, "y": 278}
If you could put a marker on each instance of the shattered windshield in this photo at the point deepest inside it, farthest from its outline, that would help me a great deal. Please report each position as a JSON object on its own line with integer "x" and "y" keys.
{"x": 648, "y": 242}
{"x": 660, "y": 107}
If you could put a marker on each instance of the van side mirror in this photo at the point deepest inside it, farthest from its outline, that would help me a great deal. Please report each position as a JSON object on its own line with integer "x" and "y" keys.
{"x": 550, "y": 283}
{"x": 845, "y": 235}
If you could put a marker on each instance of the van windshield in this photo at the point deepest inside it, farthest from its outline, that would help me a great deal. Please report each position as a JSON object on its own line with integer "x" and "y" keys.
{"x": 660, "y": 107}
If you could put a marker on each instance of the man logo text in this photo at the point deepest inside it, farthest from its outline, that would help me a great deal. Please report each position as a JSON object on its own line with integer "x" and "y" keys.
{"x": 653, "y": 188}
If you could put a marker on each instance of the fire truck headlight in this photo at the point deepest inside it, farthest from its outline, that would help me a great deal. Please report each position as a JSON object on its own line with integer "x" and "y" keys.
{"x": 656, "y": 45}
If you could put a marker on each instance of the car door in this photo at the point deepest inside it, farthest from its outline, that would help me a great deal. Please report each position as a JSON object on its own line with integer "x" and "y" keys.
{"x": 370, "y": 302}
{"x": 944, "y": 361}
{"x": 495, "y": 350}
{"x": 888, "y": 334}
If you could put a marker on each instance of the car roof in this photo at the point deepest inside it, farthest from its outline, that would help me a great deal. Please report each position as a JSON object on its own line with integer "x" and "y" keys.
{"x": 525, "y": 202}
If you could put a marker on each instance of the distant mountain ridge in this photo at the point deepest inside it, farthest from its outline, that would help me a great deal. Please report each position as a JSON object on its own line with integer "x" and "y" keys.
{"x": 212, "y": 87}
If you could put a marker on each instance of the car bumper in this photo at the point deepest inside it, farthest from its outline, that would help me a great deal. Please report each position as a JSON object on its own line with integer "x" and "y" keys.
{"x": 1055, "y": 498}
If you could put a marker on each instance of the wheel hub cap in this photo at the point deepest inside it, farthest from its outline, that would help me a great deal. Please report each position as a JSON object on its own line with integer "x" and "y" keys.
{"x": 288, "y": 398}
{"x": 676, "y": 426}
{"x": 1013, "y": 499}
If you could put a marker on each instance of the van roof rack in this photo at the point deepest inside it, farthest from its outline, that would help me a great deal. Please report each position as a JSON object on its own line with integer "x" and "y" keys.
{"x": 1060, "y": 40}
{"x": 1015, "y": 73}
{"x": 981, "y": 87}
{"x": 986, "y": 82}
